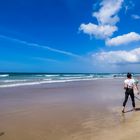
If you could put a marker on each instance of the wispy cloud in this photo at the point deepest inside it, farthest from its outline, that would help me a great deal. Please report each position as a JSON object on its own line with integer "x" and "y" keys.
{"x": 40, "y": 46}
{"x": 135, "y": 16}
{"x": 128, "y": 4}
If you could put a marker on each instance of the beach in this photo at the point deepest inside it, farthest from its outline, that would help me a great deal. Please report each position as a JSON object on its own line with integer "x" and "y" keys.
{"x": 76, "y": 110}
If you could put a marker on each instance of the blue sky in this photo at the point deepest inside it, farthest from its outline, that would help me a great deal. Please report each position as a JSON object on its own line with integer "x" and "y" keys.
{"x": 69, "y": 36}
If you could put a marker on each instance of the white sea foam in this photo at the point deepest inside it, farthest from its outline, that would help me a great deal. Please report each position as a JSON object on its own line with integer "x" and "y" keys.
{"x": 74, "y": 75}
{"x": 41, "y": 82}
{"x": 39, "y": 75}
{"x": 4, "y": 75}
{"x": 54, "y": 75}
{"x": 12, "y": 81}
{"x": 23, "y": 80}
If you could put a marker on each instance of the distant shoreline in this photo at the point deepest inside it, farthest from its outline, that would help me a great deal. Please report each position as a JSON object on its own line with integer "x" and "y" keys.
{"x": 23, "y": 79}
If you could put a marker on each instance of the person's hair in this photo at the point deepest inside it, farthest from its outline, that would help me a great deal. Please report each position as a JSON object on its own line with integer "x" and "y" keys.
{"x": 129, "y": 75}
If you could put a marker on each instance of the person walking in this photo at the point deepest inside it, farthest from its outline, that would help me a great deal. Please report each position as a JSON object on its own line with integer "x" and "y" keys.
{"x": 129, "y": 85}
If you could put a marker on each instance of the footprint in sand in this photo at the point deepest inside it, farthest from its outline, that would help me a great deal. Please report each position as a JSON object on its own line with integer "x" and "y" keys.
{"x": 2, "y": 133}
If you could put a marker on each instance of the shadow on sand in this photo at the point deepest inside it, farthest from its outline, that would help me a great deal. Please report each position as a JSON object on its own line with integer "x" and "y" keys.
{"x": 128, "y": 111}
{"x": 136, "y": 109}
{"x": 2, "y": 133}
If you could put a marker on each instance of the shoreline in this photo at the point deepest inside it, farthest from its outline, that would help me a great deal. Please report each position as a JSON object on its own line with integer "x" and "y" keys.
{"x": 53, "y": 82}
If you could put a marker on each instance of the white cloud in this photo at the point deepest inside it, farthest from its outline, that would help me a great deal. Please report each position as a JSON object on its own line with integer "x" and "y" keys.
{"x": 135, "y": 16}
{"x": 99, "y": 31}
{"x": 117, "y": 57}
{"x": 123, "y": 39}
{"x": 107, "y": 17}
{"x": 107, "y": 14}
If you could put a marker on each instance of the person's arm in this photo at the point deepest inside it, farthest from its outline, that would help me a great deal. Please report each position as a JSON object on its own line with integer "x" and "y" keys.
{"x": 136, "y": 87}
{"x": 125, "y": 86}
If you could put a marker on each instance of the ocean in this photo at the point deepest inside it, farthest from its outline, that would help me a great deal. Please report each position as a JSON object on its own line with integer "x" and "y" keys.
{"x": 22, "y": 79}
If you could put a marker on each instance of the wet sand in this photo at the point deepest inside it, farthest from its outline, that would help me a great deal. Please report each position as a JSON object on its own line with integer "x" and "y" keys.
{"x": 86, "y": 110}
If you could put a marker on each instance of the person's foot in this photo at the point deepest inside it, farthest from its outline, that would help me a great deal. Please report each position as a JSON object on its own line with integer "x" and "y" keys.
{"x": 123, "y": 110}
{"x": 134, "y": 109}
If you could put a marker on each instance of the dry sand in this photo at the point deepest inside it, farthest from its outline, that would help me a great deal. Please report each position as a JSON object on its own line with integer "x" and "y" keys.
{"x": 86, "y": 110}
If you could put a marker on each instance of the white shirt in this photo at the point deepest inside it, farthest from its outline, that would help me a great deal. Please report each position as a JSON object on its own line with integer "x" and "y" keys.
{"x": 130, "y": 83}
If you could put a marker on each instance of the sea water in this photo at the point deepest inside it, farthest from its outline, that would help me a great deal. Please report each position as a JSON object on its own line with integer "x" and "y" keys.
{"x": 21, "y": 79}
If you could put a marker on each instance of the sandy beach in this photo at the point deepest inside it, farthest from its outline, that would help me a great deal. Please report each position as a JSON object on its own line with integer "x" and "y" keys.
{"x": 82, "y": 110}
